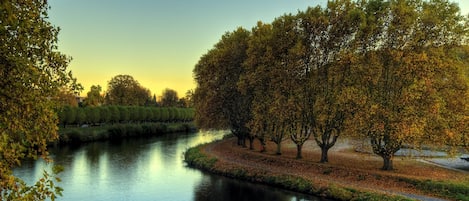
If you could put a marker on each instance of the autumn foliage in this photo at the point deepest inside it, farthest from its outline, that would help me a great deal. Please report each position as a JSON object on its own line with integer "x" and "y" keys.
{"x": 393, "y": 72}
{"x": 32, "y": 74}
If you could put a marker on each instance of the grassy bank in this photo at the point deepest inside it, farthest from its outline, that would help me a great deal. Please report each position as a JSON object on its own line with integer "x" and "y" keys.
{"x": 120, "y": 131}
{"x": 446, "y": 189}
{"x": 195, "y": 157}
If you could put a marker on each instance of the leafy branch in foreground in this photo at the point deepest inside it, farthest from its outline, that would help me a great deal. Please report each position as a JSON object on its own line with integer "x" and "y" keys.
{"x": 33, "y": 72}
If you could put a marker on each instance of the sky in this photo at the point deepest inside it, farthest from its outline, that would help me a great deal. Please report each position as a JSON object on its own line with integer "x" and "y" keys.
{"x": 158, "y": 42}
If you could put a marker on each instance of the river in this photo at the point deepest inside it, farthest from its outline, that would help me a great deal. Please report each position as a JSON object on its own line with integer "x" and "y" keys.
{"x": 146, "y": 169}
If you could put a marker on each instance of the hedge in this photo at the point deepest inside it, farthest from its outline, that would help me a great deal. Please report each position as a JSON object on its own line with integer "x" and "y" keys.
{"x": 78, "y": 116}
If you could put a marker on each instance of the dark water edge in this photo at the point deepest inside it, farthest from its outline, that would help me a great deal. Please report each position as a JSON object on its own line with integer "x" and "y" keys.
{"x": 214, "y": 187}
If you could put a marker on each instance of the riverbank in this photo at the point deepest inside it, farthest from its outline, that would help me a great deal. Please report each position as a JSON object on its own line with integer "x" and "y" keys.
{"x": 77, "y": 135}
{"x": 348, "y": 176}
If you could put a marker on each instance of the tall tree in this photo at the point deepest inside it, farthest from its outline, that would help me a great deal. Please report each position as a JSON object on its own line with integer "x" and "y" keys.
{"x": 94, "y": 97}
{"x": 462, "y": 54}
{"x": 217, "y": 100}
{"x": 409, "y": 80}
{"x": 255, "y": 82}
{"x": 187, "y": 100}
{"x": 328, "y": 38}
{"x": 32, "y": 72}
{"x": 125, "y": 90}
{"x": 169, "y": 98}
{"x": 301, "y": 113}
{"x": 287, "y": 76}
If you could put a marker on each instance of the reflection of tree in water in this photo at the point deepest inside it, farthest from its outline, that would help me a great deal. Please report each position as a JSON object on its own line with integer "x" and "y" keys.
{"x": 124, "y": 153}
{"x": 220, "y": 188}
{"x": 129, "y": 151}
{"x": 65, "y": 155}
{"x": 94, "y": 152}
{"x": 170, "y": 148}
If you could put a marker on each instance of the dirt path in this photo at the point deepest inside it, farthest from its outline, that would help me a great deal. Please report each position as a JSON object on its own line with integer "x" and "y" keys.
{"x": 346, "y": 168}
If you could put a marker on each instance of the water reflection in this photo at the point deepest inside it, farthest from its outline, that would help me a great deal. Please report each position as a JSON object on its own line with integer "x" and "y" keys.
{"x": 143, "y": 169}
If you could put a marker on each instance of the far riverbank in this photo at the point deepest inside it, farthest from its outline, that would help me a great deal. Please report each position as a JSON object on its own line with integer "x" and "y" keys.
{"x": 77, "y": 135}
{"x": 348, "y": 176}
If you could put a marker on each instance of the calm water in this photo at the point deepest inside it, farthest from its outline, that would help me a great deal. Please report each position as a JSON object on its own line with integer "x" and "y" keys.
{"x": 146, "y": 169}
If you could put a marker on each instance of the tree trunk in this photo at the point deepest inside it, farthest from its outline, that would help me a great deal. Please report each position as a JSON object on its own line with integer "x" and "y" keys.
{"x": 324, "y": 157}
{"x": 387, "y": 163}
{"x": 279, "y": 148}
{"x": 241, "y": 140}
{"x": 263, "y": 147}
{"x": 251, "y": 143}
{"x": 298, "y": 151}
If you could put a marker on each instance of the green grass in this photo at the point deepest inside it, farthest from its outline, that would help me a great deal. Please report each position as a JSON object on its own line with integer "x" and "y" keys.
{"x": 447, "y": 189}
{"x": 195, "y": 158}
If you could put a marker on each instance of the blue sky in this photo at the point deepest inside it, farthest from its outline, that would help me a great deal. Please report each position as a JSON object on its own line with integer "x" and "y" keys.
{"x": 158, "y": 42}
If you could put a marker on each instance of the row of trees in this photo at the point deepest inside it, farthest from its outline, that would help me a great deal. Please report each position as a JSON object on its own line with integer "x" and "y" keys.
{"x": 122, "y": 114}
{"x": 125, "y": 90}
{"x": 388, "y": 71}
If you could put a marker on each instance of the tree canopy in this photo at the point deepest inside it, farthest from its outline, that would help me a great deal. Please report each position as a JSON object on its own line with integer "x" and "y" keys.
{"x": 125, "y": 90}
{"x": 169, "y": 98}
{"x": 33, "y": 74}
{"x": 218, "y": 102}
{"x": 388, "y": 71}
{"x": 410, "y": 76}
{"x": 94, "y": 97}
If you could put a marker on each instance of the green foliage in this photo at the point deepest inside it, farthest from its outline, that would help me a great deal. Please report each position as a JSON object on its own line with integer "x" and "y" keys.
{"x": 125, "y": 90}
{"x": 390, "y": 71}
{"x": 93, "y": 115}
{"x": 33, "y": 73}
{"x": 67, "y": 115}
{"x": 105, "y": 115}
{"x": 164, "y": 112}
{"x": 124, "y": 114}
{"x": 43, "y": 189}
{"x": 340, "y": 193}
{"x": 80, "y": 116}
{"x": 458, "y": 191}
{"x": 114, "y": 114}
{"x": 409, "y": 81}
{"x": 94, "y": 97}
{"x": 120, "y": 131}
{"x": 169, "y": 98}
{"x": 194, "y": 157}
{"x": 217, "y": 101}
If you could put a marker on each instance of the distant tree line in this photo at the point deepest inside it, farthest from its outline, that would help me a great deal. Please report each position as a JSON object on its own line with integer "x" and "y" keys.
{"x": 389, "y": 71}
{"x": 125, "y": 90}
{"x": 77, "y": 116}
